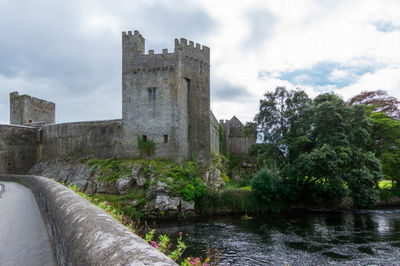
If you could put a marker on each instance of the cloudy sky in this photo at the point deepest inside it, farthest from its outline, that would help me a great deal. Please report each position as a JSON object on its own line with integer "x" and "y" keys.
{"x": 69, "y": 52}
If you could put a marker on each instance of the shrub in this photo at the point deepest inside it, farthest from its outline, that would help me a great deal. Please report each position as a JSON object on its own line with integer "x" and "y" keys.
{"x": 266, "y": 187}
{"x": 228, "y": 201}
{"x": 146, "y": 147}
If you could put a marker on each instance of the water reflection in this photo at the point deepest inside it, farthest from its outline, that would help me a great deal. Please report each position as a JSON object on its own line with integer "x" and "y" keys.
{"x": 353, "y": 238}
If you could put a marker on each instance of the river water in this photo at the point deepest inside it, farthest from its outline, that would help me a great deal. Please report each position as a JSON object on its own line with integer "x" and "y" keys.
{"x": 370, "y": 237}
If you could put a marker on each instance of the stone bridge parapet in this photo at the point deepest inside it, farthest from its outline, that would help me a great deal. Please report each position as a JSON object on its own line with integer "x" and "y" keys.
{"x": 83, "y": 234}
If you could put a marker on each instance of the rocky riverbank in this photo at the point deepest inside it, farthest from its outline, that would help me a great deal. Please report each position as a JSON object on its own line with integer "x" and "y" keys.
{"x": 154, "y": 188}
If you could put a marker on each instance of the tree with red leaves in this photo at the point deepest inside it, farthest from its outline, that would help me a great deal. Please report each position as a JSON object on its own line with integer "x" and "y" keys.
{"x": 380, "y": 100}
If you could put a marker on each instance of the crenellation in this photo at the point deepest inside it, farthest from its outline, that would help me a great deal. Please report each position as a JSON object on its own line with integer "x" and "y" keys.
{"x": 183, "y": 42}
{"x": 163, "y": 94}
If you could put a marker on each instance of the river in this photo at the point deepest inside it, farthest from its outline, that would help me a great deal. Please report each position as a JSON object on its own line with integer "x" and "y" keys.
{"x": 370, "y": 237}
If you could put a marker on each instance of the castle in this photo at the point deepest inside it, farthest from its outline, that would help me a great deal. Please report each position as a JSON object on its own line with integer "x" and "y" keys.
{"x": 165, "y": 100}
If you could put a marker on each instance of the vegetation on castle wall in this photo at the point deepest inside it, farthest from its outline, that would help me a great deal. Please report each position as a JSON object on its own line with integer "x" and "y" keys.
{"x": 221, "y": 138}
{"x": 146, "y": 147}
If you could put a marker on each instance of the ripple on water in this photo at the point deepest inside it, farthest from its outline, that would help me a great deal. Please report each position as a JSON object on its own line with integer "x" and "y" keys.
{"x": 361, "y": 238}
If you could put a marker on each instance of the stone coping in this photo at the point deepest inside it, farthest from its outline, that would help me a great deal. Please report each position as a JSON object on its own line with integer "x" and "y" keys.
{"x": 83, "y": 234}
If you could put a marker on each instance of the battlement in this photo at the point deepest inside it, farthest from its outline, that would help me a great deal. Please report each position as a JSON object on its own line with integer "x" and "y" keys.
{"x": 16, "y": 95}
{"x": 134, "y": 42}
{"x": 184, "y": 44}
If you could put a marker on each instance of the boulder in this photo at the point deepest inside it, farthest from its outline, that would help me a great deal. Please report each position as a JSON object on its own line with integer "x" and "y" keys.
{"x": 106, "y": 187}
{"x": 138, "y": 177}
{"x": 80, "y": 176}
{"x": 123, "y": 185}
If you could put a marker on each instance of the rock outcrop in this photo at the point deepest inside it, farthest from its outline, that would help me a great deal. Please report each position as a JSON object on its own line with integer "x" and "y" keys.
{"x": 160, "y": 201}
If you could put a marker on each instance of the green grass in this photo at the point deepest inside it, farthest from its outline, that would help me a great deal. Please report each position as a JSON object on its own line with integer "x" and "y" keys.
{"x": 183, "y": 179}
{"x": 385, "y": 184}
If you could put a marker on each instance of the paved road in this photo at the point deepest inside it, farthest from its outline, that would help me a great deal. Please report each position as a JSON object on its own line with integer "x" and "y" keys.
{"x": 23, "y": 235}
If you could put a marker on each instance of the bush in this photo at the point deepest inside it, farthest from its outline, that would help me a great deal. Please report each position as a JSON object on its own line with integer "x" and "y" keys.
{"x": 146, "y": 147}
{"x": 228, "y": 201}
{"x": 266, "y": 187}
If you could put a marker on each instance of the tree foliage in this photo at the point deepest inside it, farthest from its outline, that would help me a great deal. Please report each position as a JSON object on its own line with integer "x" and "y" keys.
{"x": 380, "y": 101}
{"x": 320, "y": 146}
{"x": 385, "y": 142}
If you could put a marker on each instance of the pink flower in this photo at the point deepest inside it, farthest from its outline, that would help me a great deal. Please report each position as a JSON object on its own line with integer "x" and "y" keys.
{"x": 205, "y": 264}
{"x": 180, "y": 233}
{"x": 154, "y": 244}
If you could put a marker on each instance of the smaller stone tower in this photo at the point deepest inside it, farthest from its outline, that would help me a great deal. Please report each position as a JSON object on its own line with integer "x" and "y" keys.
{"x": 235, "y": 142}
{"x": 27, "y": 110}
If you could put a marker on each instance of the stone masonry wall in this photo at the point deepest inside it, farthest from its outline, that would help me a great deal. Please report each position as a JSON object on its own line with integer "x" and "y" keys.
{"x": 194, "y": 70}
{"x": 214, "y": 134}
{"x": 17, "y": 148}
{"x": 99, "y": 139}
{"x": 166, "y": 98}
{"x": 234, "y": 140}
{"x": 25, "y": 110}
{"x": 154, "y": 104}
{"x": 83, "y": 234}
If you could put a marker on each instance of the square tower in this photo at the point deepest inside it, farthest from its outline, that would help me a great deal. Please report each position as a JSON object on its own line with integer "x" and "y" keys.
{"x": 26, "y": 110}
{"x": 166, "y": 98}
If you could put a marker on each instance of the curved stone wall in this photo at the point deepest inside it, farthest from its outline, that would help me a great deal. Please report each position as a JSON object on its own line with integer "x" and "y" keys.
{"x": 83, "y": 234}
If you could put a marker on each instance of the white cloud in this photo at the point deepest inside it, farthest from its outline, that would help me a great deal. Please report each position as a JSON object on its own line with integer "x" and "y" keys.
{"x": 385, "y": 79}
{"x": 288, "y": 36}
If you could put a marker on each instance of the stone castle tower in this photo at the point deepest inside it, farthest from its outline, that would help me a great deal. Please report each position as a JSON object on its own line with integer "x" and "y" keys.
{"x": 27, "y": 110}
{"x": 166, "y": 97}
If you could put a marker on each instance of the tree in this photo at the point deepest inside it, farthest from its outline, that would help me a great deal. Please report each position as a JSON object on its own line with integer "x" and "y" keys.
{"x": 380, "y": 100}
{"x": 385, "y": 142}
{"x": 322, "y": 144}
{"x": 280, "y": 111}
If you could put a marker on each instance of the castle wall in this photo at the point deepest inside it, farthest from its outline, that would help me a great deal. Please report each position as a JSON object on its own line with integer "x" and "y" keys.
{"x": 99, "y": 139}
{"x": 17, "y": 148}
{"x": 154, "y": 105}
{"x": 25, "y": 110}
{"x": 194, "y": 70}
{"x": 234, "y": 140}
{"x": 239, "y": 145}
{"x": 214, "y": 134}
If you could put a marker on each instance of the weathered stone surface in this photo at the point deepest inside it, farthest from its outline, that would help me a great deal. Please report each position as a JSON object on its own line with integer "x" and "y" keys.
{"x": 106, "y": 187}
{"x": 159, "y": 196}
{"x": 161, "y": 202}
{"x": 83, "y": 234}
{"x": 123, "y": 185}
{"x": 157, "y": 188}
{"x": 187, "y": 206}
{"x": 138, "y": 177}
{"x": 213, "y": 178}
{"x": 17, "y": 148}
{"x": 25, "y": 109}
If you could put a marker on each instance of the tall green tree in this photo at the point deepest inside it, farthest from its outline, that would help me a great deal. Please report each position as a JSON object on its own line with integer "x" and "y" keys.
{"x": 280, "y": 112}
{"x": 322, "y": 144}
{"x": 385, "y": 142}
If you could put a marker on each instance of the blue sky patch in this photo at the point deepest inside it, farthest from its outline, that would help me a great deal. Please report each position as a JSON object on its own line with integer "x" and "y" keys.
{"x": 325, "y": 74}
{"x": 386, "y": 26}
